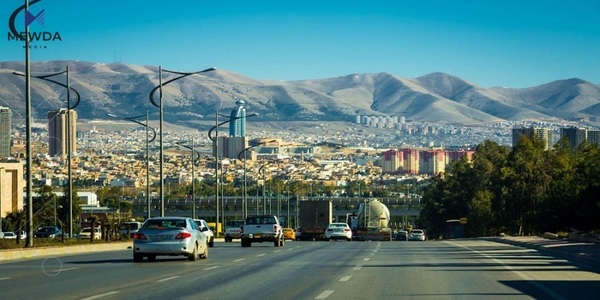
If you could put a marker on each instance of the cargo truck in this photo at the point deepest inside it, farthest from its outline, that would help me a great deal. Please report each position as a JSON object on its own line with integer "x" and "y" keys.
{"x": 370, "y": 223}
{"x": 313, "y": 219}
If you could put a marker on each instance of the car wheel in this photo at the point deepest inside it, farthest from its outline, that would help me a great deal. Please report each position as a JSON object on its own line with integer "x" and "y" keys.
{"x": 211, "y": 242}
{"x": 138, "y": 257}
{"x": 204, "y": 255}
{"x": 194, "y": 255}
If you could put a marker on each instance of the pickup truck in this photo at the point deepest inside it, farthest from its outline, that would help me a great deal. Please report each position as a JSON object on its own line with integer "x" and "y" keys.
{"x": 233, "y": 229}
{"x": 262, "y": 228}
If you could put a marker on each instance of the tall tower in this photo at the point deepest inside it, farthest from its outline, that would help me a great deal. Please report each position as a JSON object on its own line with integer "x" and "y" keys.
{"x": 238, "y": 115}
{"x": 5, "y": 127}
{"x": 547, "y": 135}
{"x": 575, "y": 135}
{"x": 57, "y": 131}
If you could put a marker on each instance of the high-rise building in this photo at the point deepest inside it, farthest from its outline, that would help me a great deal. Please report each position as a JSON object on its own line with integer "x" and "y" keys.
{"x": 237, "y": 126}
{"x": 575, "y": 135}
{"x": 5, "y": 128}
{"x": 546, "y": 135}
{"x": 391, "y": 161}
{"x": 593, "y": 136}
{"x": 58, "y": 133}
{"x": 432, "y": 162}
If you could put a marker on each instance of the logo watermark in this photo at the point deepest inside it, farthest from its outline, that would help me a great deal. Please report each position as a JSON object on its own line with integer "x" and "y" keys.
{"x": 40, "y": 37}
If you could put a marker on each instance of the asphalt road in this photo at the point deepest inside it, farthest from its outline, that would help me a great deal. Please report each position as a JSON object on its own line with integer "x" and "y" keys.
{"x": 457, "y": 269}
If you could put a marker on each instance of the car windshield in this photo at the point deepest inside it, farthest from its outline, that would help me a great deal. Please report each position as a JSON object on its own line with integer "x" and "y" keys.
{"x": 46, "y": 229}
{"x": 234, "y": 224}
{"x": 86, "y": 230}
{"x": 417, "y": 231}
{"x": 338, "y": 225}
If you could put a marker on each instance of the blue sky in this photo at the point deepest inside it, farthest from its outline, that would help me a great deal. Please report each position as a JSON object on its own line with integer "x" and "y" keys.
{"x": 507, "y": 43}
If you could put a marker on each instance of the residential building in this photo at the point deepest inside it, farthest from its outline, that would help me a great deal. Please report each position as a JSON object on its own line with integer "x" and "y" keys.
{"x": 59, "y": 129}
{"x": 546, "y": 135}
{"x": 391, "y": 161}
{"x": 5, "y": 129}
{"x": 575, "y": 135}
{"x": 11, "y": 187}
{"x": 432, "y": 162}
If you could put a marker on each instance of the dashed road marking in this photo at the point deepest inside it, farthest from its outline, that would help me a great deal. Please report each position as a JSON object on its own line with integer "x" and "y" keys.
{"x": 261, "y": 254}
{"x": 5, "y": 278}
{"x": 210, "y": 268}
{"x": 239, "y": 259}
{"x": 100, "y": 295}
{"x": 345, "y": 278}
{"x": 358, "y": 267}
{"x": 325, "y": 294}
{"x": 366, "y": 258}
{"x": 168, "y": 278}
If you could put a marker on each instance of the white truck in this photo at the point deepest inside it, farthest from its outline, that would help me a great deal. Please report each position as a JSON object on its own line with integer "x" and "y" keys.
{"x": 371, "y": 222}
{"x": 262, "y": 228}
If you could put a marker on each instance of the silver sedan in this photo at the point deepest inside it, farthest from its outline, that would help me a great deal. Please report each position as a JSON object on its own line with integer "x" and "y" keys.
{"x": 171, "y": 236}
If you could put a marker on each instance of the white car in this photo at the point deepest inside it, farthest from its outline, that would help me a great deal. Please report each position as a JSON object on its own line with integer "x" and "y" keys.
{"x": 416, "y": 235}
{"x": 86, "y": 233}
{"x": 204, "y": 228}
{"x": 171, "y": 236}
{"x": 338, "y": 231}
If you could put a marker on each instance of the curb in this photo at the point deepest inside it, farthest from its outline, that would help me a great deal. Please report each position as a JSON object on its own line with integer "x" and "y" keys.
{"x": 27, "y": 253}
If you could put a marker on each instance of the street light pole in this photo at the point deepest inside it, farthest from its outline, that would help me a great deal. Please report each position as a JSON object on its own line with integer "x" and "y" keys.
{"x": 244, "y": 195}
{"x": 68, "y": 133}
{"x": 194, "y": 161}
{"x": 161, "y": 121}
{"x": 148, "y": 141}
{"x": 215, "y": 140}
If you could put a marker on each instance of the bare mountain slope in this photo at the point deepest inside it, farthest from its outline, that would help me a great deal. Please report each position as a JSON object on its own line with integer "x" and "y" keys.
{"x": 123, "y": 89}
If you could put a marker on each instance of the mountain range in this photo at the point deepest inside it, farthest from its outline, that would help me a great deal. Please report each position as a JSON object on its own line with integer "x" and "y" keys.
{"x": 123, "y": 89}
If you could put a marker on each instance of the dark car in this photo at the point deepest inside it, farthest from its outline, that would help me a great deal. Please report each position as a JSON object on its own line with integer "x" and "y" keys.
{"x": 401, "y": 235}
{"x": 47, "y": 232}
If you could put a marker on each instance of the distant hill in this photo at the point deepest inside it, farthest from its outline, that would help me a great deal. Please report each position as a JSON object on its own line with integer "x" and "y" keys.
{"x": 123, "y": 89}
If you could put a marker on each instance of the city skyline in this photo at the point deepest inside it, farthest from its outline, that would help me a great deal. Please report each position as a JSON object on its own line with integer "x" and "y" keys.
{"x": 513, "y": 44}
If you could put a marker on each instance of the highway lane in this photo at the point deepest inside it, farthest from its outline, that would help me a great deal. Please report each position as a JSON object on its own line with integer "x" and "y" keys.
{"x": 458, "y": 269}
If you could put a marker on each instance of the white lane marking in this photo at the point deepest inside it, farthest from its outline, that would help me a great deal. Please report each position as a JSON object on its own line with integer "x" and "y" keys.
{"x": 261, "y": 255}
{"x": 100, "y": 296}
{"x": 5, "y": 278}
{"x": 325, "y": 294}
{"x": 210, "y": 268}
{"x": 358, "y": 267}
{"x": 239, "y": 259}
{"x": 366, "y": 258}
{"x": 168, "y": 278}
{"x": 523, "y": 276}
{"x": 69, "y": 269}
{"x": 277, "y": 251}
{"x": 345, "y": 278}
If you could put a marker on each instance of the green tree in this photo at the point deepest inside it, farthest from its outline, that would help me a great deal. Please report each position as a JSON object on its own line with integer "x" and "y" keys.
{"x": 17, "y": 218}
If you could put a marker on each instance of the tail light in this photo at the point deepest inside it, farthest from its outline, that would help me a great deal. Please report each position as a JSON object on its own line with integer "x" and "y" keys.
{"x": 183, "y": 235}
{"x": 347, "y": 229}
{"x": 139, "y": 236}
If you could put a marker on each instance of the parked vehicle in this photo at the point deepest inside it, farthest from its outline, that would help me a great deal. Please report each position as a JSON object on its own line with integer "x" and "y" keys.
{"x": 313, "y": 218}
{"x": 210, "y": 237}
{"x": 233, "y": 230}
{"x": 129, "y": 228}
{"x": 47, "y": 232}
{"x": 170, "y": 236}
{"x": 338, "y": 231}
{"x": 262, "y": 228}
{"x": 86, "y": 233}
{"x": 289, "y": 234}
{"x": 416, "y": 235}
{"x": 8, "y": 235}
{"x": 371, "y": 222}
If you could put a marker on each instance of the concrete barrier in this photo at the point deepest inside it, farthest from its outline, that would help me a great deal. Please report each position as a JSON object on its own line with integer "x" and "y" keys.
{"x": 26, "y": 253}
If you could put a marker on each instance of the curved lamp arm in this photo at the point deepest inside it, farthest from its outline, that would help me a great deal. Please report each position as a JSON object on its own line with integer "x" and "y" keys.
{"x": 151, "y": 96}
